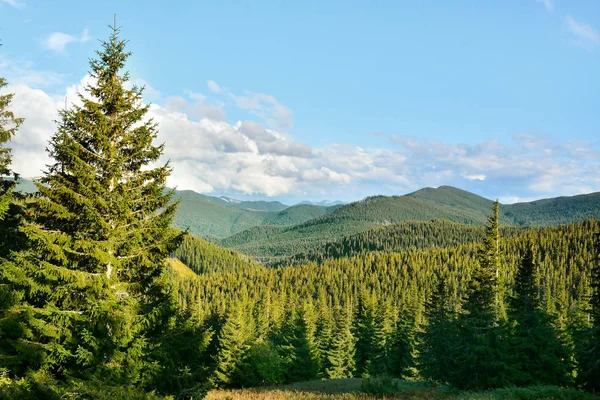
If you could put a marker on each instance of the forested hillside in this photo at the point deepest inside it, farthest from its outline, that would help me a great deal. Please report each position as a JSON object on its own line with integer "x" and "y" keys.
{"x": 395, "y": 238}
{"x": 203, "y": 257}
{"x": 455, "y": 205}
{"x": 363, "y": 315}
{"x": 208, "y": 216}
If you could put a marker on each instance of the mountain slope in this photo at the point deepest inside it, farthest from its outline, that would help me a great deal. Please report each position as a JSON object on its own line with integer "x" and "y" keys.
{"x": 559, "y": 210}
{"x": 203, "y": 257}
{"x": 424, "y": 205}
{"x": 219, "y": 217}
{"x": 207, "y": 217}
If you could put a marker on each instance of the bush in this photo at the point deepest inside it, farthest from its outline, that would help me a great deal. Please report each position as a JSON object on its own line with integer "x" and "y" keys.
{"x": 379, "y": 387}
{"x": 263, "y": 366}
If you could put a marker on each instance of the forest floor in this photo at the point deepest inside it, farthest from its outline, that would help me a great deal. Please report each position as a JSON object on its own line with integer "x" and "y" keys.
{"x": 355, "y": 389}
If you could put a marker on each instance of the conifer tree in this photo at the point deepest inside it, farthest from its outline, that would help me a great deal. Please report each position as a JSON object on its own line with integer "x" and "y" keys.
{"x": 9, "y": 124}
{"x": 536, "y": 355}
{"x": 9, "y": 322}
{"x": 342, "y": 351}
{"x": 437, "y": 340}
{"x": 480, "y": 354}
{"x": 385, "y": 324}
{"x": 96, "y": 301}
{"x": 589, "y": 356}
{"x": 234, "y": 342}
{"x": 366, "y": 336}
{"x": 402, "y": 346}
{"x": 298, "y": 346}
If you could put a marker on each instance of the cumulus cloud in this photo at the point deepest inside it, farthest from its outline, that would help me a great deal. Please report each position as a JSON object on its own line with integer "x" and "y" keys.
{"x": 582, "y": 33}
{"x": 268, "y": 108}
{"x": 58, "y": 41}
{"x": 547, "y": 4}
{"x": 196, "y": 106}
{"x": 211, "y": 155}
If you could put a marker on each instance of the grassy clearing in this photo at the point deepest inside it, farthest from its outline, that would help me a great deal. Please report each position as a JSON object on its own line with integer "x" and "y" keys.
{"x": 362, "y": 389}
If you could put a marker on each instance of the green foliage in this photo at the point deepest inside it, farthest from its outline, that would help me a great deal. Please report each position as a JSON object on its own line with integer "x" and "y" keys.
{"x": 397, "y": 237}
{"x": 90, "y": 303}
{"x": 480, "y": 352}
{"x": 204, "y": 257}
{"x": 9, "y": 124}
{"x": 588, "y": 353}
{"x": 437, "y": 338}
{"x": 340, "y": 355}
{"x": 536, "y": 354}
{"x": 262, "y": 366}
{"x": 380, "y": 387}
{"x": 234, "y": 341}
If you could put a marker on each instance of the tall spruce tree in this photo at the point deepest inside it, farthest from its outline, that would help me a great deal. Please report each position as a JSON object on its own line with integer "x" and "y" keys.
{"x": 342, "y": 351}
{"x": 234, "y": 342}
{"x": 9, "y": 322}
{"x": 9, "y": 124}
{"x": 436, "y": 342}
{"x": 589, "y": 355}
{"x": 366, "y": 336}
{"x": 480, "y": 354}
{"x": 536, "y": 355}
{"x": 95, "y": 300}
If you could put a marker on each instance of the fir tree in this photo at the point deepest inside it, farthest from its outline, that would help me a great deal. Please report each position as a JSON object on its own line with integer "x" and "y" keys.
{"x": 9, "y": 297}
{"x": 9, "y": 124}
{"x": 299, "y": 346}
{"x": 342, "y": 352}
{"x": 234, "y": 342}
{"x": 480, "y": 354}
{"x": 366, "y": 336}
{"x": 402, "y": 346}
{"x": 589, "y": 355}
{"x": 96, "y": 301}
{"x": 536, "y": 355}
{"x": 437, "y": 340}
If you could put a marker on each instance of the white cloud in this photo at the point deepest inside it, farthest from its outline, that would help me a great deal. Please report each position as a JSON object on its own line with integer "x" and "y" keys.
{"x": 479, "y": 177}
{"x": 547, "y": 3}
{"x": 582, "y": 33}
{"x": 23, "y": 72}
{"x": 58, "y": 41}
{"x": 264, "y": 106}
{"x": 15, "y": 3}
{"x": 212, "y": 85}
{"x": 209, "y": 154}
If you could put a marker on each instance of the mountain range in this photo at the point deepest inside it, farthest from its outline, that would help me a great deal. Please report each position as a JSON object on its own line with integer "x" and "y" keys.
{"x": 271, "y": 230}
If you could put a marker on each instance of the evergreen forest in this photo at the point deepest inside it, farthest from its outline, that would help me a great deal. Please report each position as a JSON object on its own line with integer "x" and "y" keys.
{"x": 107, "y": 293}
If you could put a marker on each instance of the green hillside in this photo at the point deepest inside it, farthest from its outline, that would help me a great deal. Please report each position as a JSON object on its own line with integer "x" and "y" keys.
{"x": 427, "y": 204}
{"x": 559, "y": 210}
{"x": 219, "y": 217}
{"x": 402, "y": 236}
{"x": 203, "y": 257}
{"x": 204, "y": 216}
{"x": 297, "y": 214}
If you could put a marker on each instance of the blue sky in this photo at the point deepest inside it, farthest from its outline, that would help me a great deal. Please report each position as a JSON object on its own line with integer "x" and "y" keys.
{"x": 337, "y": 100}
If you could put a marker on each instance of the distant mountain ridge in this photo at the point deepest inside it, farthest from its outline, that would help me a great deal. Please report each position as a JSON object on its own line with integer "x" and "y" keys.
{"x": 273, "y": 229}
{"x": 325, "y": 203}
{"x": 427, "y": 204}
